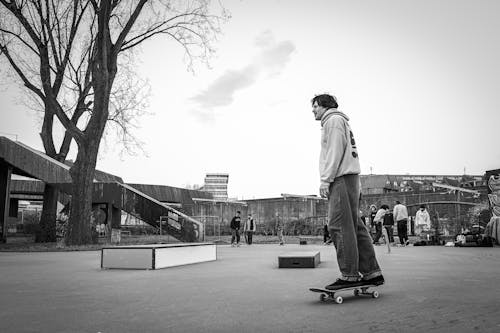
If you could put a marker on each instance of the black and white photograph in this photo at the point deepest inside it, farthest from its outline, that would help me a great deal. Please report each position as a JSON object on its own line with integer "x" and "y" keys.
{"x": 249, "y": 166}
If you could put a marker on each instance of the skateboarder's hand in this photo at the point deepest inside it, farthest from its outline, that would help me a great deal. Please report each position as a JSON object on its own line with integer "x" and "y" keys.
{"x": 324, "y": 190}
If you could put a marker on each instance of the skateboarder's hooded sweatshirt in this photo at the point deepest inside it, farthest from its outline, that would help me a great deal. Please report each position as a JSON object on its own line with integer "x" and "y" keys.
{"x": 339, "y": 155}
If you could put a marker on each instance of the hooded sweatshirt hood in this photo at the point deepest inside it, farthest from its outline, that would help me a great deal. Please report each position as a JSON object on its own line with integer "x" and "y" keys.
{"x": 332, "y": 112}
{"x": 338, "y": 156}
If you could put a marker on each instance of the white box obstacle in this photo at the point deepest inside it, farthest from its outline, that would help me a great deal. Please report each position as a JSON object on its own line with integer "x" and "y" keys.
{"x": 155, "y": 256}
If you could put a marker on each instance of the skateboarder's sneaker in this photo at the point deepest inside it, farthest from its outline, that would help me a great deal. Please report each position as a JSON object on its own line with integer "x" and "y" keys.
{"x": 377, "y": 281}
{"x": 341, "y": 284}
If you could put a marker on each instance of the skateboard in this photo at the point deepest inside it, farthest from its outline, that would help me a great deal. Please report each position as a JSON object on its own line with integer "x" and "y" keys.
{"x": 328, "y": 295}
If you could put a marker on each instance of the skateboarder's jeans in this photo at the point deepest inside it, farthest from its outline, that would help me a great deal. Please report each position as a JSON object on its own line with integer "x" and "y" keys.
{"x": 355, "y": 253}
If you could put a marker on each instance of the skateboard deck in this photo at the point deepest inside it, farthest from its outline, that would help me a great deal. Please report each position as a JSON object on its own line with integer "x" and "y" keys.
{"x": 328, "y": 295}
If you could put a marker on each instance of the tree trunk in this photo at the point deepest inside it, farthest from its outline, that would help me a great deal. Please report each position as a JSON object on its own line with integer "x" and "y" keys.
{"x": 47, "y": 226}
{"x": 47, "y": 232}
{"x": 82, "y": 172}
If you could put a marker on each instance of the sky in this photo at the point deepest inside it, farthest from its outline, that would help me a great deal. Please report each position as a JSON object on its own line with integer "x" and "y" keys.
{"x": 419, "y": 81}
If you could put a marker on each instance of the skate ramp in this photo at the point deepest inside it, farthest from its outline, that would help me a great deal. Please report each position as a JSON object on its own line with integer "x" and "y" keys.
{"x": 29, "y": 162}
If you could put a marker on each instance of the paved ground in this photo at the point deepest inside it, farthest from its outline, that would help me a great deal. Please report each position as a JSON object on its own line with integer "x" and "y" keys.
{"x": 435, "y": 289}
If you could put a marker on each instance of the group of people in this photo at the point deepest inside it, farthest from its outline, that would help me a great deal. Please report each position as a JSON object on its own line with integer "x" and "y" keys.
{"x": 385, "y": 218}
{"x": 250, "y": 227}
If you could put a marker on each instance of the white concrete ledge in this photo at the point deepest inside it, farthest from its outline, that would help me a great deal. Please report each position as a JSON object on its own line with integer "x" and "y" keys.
{"x": 155, "y": 256}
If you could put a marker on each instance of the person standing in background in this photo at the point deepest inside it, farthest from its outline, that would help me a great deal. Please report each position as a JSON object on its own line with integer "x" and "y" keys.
{"x": 373, "y": 213}
{"x": 389, "y": 225}
{"x": 400, "y": 213}
{"x": 280, "y": 227}
{"x": 235, "y": 229}
{"x": 249, "y": 229}
{"x": 422, "y": 220}
{"x": 378, "y": 220}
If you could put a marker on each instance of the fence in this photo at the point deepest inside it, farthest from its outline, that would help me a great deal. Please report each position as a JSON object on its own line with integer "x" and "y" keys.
{"x": 312, "y": 225}
{"x": 211, "y": 225}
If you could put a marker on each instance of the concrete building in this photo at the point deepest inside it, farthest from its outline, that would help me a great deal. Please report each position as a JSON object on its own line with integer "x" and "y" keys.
{"x": 216, "y": 184}
{"x": 384, "y": 184}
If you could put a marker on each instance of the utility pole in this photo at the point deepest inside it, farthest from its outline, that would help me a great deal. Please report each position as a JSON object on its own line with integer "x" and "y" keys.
{"x": 458, "y": 209}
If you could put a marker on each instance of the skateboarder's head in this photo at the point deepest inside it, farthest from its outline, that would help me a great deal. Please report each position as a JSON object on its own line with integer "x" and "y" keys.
{"x": 422, "y": 207}
{"x": 325, "y": 100}
{"x": 321, "y": 104}
{"x": 384, "y": 207}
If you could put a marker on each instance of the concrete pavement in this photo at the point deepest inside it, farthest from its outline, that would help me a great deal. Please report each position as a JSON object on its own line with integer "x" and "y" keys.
{"x": 433, "y": 288}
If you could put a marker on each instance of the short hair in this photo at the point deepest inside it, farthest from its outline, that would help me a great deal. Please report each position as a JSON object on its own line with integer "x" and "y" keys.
{"x": 398, "y": 202}
{"x": 238, "y": 212}
{"x": 325, "y": 100}
{"x": 384, "y": 207}
{"x": 422, "y": 206}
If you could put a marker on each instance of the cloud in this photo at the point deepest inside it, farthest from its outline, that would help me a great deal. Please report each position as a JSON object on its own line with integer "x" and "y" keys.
{"x": 270, "y": 61}
{"x": 221, "y": 91}
{"x": 273, "y": 60}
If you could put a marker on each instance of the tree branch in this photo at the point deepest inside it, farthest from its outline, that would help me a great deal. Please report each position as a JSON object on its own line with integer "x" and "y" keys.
{"x": 74, "y": 28}
{"x": 19, "y": 72}
{"x": 152, "y": 29}
{"x": 51, "y": 36}
{"x": 11, "y": 6}
{"x": 128, "y": 26}
{"x": 18, "y": 36}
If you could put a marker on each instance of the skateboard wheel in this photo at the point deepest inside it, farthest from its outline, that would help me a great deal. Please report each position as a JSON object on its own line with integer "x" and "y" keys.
{"x": 375, "y": 294}
{"x": 339, "y": 300}
{"x": 356, "y": 292}
{"x": 322, "y": 297}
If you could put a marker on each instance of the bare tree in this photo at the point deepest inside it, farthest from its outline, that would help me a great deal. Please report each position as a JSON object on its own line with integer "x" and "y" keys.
{"x": 72, "y": 56}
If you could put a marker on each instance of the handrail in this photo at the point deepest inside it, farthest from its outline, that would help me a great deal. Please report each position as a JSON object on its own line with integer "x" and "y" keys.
{"x": 136, "y": 191}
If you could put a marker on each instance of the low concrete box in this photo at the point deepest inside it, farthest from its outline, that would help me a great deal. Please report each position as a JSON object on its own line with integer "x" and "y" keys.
{"x": 309, "y": 259}
{"x": 155, "y": 256}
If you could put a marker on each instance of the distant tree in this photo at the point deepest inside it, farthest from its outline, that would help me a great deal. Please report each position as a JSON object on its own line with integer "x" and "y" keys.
{"x": 75, "y": 59}
{"x": 479, "y": 214}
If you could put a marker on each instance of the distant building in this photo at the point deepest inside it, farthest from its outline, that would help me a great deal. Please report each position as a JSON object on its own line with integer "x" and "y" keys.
{"x": 216, "y": 184}
{"x": 384, "y": 184}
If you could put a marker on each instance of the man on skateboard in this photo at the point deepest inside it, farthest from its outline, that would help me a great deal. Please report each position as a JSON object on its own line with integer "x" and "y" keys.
{"x": 340, "y": 183}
